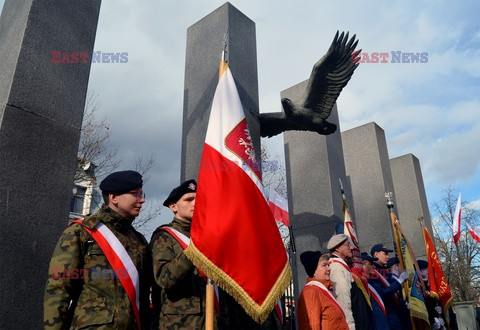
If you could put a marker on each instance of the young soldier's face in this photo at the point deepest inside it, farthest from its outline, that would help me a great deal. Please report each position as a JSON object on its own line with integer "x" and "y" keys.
{"x": 129, "y": 204}
{"x": 184, "y": 207}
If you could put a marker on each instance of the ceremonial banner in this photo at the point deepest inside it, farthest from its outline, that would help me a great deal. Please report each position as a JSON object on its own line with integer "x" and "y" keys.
{"x": 234, "y": 238}
{"x": 418, "y": 309}
{"x": 438, "y": 282}
{"x": 279, "y": 206}
{"x": 457, "y": 220}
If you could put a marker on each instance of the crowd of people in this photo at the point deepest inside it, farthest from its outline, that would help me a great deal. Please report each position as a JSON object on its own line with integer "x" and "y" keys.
{"x": 104, "y": 275}
{"x": 336, "y": 297}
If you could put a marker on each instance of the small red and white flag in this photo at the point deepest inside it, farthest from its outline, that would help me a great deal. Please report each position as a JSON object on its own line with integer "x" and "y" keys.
{"x": 474, "y": 232}
{"x": 279, "y": 206}
{"x": 234, "y": 238}
{"x": 457, "y": 220}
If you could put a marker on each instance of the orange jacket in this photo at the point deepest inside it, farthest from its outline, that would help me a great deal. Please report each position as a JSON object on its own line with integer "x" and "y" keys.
{"x": 316, "y": 311}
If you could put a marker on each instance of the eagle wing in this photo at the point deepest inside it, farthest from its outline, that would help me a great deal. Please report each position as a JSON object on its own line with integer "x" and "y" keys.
{"x": 330, "y": 74}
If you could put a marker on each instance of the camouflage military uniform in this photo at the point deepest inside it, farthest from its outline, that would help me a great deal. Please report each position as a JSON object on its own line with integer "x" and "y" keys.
{"x": 98, "y": 300}
{"x": 179, "y": 296}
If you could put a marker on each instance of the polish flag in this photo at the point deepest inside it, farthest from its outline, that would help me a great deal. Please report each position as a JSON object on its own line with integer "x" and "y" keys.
{"x": 474, "y": 232}
{"x": 234, "y": 238}
{"x": 279, "y": 206}
{"x": 457, "y": 219}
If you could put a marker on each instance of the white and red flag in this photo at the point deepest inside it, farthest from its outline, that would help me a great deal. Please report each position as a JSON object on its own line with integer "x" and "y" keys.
{"x": 279, "y": 206}
{"x": 234, "y": 238}
{"x": 474, "y": 232}
{"x": 457, "y": 220}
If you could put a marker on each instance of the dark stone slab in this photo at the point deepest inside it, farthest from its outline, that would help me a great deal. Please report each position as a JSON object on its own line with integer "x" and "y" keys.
{"x": 368, "y": 168}
{"x": 411, "y": 199}
{"x": 205, "y": 40}
{"x": 314, "y": 163}
{"x": 41, "y": 110}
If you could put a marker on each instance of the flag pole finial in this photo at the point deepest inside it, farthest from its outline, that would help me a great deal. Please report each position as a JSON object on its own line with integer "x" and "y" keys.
{"x": 389, "y": 197}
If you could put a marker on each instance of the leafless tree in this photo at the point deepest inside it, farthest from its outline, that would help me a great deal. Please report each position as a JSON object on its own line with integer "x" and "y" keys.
{"x": 98, "y": 153}
{"x": 461, "y": 264}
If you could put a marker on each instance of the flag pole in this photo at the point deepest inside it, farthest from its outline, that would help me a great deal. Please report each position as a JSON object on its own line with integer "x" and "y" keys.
{"x": 395, "y": 223}
{"x": 210, "y": 291}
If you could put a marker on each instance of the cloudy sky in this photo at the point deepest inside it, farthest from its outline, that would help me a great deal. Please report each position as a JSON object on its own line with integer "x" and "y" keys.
{"x": 429, "y": 109}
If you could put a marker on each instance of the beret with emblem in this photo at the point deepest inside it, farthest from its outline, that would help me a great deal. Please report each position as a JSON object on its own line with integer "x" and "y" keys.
{"x": 336, "y": 240}
{"x": 121, "y": 182}
{"x": 188, "y": 186}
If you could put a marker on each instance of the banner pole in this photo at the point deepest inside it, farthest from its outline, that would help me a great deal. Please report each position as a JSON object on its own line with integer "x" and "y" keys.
{"x": 209, "y": 306}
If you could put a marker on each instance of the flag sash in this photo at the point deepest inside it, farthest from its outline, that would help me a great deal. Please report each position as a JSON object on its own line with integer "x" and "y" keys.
{"x": 341, "y": 262}
{"x": 327, "y": 293}
{"x": 118, "y": 258}
{"x": 377, "y": 298}
{"x": 184, "y": 241}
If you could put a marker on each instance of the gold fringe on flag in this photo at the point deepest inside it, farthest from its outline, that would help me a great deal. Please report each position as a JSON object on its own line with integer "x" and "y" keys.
{"x": 259, "y": 313}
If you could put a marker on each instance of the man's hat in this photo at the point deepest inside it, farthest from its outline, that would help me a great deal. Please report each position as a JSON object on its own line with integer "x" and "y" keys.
{"x": 378, "y": 248}
{"x": 365, "y": 256}
{"x": 336, "y": 240}
{"x": 121, "y": 182}
{"x": 188, "y": 186}
{"x": 309, "y": 260}
{"x": 392, "y": 261}
{"x": 422, "y": 264}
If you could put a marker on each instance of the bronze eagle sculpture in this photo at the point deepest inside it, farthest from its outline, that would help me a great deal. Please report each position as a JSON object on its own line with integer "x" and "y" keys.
{"x": 329, "y": 75}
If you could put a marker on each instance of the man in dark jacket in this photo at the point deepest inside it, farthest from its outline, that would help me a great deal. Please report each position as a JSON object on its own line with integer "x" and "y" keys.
{"x": 386, "y": 290}
{"x": 402, "y": 316}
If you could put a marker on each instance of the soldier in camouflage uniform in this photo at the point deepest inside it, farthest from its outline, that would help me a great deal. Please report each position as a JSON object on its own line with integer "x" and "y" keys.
{"x": 83, "y": 291}
{"x": 179, "y": 296}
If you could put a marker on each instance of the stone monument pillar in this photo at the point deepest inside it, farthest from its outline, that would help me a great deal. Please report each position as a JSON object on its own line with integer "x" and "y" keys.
{"x": 205, "y": 40}
{"x": 411, "y": 200}
{"x": 41, "y": 111}
{"x": 368, "y": 169}
{"x": 314, "y": 163}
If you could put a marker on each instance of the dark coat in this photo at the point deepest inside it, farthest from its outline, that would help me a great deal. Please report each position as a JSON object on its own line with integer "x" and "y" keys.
{"x": 387, "y": 294}
{"x": 402, "y": 316}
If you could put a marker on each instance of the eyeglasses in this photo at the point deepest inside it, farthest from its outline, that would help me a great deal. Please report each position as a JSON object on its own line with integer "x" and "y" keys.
{"x": 139, "y": 194}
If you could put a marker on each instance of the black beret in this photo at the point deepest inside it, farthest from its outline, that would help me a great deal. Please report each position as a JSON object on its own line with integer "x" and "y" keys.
{"x": 309, "y": 260}
{"x": 422, "y": 264}
{"x": 188, "y": 186}
{"x": 392, "y": 261}
{"x": 121, "y": 182}
{"x": 378, "y": 248}
{"x": 365, "y": 256}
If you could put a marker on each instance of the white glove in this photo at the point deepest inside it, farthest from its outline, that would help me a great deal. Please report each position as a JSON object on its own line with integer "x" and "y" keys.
{"x": 407, "y": 304}
{"x": 403, "y": 276}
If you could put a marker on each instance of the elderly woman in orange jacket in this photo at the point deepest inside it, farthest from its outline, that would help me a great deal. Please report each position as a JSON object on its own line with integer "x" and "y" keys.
{"x": 317, "y": 307}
